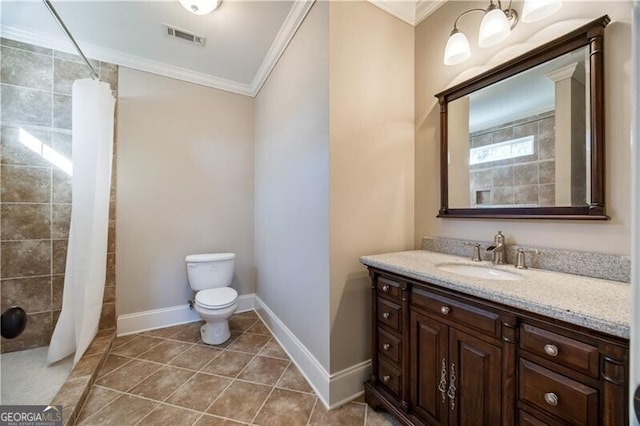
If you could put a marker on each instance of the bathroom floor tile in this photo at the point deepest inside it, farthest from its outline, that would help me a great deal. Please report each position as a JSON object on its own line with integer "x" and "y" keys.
{"x": 273, "y": 350}
{"x": 126, "y": 410}
{"x": 243, "y": 321}
{"x": 199, "y": 392}
{"x": 111, "y": 363}
{"x": 165, "y": 351}
{"x": 208, "y": 420}
{"x": 129, "y": 375}
{"x": 168, "y": 415}
{"x": 137, "y": 346}
{"x": 285, "y": 407}
{"x": 292, "y": 379}
{"x": 240, "y": 401}
{"x": 259, "y": 328}
{"x": 348, "y": 415}
{"x": 195, "y": 357}
{"x": 248, "y": 342}
{"x": 97, "y": 399}
{"x": 264, "y": 370}
{"x": 228, "y": 363}
{"x": 162, "y": 383}
{"x": 168, "y": 376}
{"x": 189, "y": 333}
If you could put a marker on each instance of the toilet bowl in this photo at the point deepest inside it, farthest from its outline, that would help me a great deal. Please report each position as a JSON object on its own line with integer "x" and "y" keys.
{"x": 210, "y": 275}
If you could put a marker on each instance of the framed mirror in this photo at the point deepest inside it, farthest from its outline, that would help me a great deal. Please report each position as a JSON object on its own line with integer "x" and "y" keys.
{"x": 526, "y": 139}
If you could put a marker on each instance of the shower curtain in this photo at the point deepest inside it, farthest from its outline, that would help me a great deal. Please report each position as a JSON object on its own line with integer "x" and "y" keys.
{"x": 92, "y": 149}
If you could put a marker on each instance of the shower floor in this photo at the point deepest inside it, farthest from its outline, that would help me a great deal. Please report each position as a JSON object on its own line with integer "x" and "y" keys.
{"x": 25, "y": 377}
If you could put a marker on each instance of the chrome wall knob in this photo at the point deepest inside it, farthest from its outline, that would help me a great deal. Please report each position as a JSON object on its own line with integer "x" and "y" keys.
{"x": 551, "y": 398}
{"x": 551, "y": 350}
{"x": 445, "y": 310}
{"x": 386, "y": 315}
{"x": 386, "y": 346}
{"x": 385, "y": 288}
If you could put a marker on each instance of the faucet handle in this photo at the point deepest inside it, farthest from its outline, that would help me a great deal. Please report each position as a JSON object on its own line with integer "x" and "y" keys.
{"x": 520, "y": 257}
{"x": 476, "y": 251}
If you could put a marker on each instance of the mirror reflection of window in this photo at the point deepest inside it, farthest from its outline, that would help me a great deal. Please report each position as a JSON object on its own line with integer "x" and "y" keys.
{"x": 523, "y": 142}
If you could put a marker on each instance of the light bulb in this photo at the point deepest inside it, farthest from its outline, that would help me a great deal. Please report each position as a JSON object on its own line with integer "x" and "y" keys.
{"x": 494, "y": 28}
{"x": 457, "y": 49}
{"x": 200, "y": 7}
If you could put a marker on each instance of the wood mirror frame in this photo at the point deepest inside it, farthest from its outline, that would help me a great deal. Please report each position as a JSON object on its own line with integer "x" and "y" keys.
{"x": 591, "y": 35}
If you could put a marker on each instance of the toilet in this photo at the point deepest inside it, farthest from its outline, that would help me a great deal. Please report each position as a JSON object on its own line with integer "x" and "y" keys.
{"x": 210, "y": 275}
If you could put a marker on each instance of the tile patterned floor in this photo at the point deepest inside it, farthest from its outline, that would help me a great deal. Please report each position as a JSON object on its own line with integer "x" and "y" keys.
{"x": 170, "y": 377}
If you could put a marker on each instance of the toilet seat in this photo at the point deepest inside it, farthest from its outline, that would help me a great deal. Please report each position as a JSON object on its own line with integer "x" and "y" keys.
{"x": 216, "y": 298}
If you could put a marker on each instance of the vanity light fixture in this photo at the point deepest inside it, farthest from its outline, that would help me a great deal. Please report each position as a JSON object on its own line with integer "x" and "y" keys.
{"x": 200, "y": 7}
{"x": 496, "y": 25}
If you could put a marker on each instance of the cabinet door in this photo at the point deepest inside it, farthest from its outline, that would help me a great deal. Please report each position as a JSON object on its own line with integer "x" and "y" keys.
{"x": 475, "y": 381}
{"x": 429, "y": 369}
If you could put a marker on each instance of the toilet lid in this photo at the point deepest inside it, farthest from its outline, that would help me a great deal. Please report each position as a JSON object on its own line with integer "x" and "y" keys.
{"x": 216, "y": 297}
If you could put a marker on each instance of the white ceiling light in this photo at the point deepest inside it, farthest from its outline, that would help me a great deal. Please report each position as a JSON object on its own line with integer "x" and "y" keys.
{"x": 200, "y": 7}
{"x": 496, "y": 25}
{"x": 536, "y": 10}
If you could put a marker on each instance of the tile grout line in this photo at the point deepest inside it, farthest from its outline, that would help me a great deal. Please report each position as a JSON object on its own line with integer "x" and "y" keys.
{"x": 270, "y": 393}
{"x": 312, "y": 411}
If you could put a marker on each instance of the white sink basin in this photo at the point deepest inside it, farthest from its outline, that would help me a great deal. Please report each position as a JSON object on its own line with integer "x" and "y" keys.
{"x": 477, "y": 271}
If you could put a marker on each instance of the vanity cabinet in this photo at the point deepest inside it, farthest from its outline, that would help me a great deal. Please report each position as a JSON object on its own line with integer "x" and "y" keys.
{"x": 441, "y": 357}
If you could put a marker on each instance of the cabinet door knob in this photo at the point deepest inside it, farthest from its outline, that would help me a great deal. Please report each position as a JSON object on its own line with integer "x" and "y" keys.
{"x": 551, "y": 350}
{"x": 551, "y": 398}
{"x": 386, "y": 346}
{"x": 386, "y": 315}
{"x": 445, "y": 310}
{"x": 386, "y": 378}
{"x": 385, "y": 288}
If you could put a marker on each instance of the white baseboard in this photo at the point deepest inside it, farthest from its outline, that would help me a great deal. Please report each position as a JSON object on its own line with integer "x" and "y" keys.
{"x": 334, "y": 389}
{"x": 167, "y": 317}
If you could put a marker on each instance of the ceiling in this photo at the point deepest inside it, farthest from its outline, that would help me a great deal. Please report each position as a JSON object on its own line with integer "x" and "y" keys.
{"x": 244, "y": 39}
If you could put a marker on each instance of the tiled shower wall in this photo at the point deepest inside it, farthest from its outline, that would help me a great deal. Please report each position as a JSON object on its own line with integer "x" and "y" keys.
{"x": 35, "y": 192}
{"x": 528, "y": 180}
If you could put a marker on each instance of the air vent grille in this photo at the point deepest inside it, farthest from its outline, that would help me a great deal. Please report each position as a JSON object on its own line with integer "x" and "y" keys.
{"x": 181, "y": 34}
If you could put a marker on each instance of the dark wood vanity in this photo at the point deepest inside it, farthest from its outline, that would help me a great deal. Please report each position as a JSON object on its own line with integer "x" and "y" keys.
{"x": 441, "y": 357}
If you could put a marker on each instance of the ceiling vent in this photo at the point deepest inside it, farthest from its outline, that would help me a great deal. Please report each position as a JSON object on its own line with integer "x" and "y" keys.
{"x": 185, "y": 35}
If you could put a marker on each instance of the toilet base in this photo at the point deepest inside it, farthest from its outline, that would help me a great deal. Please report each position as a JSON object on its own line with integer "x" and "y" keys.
{"x": 215, "y": 333}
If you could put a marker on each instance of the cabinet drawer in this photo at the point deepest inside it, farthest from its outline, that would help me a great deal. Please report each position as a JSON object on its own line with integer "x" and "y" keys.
{"x": 390, "y": 377}
{"x": 560, "y": 396}
{"x": 389, "y": 346}
{"x": 463, "y": 313}
{"x": 390, "y": 314}
{"x": 388, "y": 287}
{"x": 560, "y": 349}
{"x": 526, "y": 419}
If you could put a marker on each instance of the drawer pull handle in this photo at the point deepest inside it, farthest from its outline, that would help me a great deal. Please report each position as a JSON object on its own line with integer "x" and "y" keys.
{"x": 386, "y": 346}
{"x": 442, "y": 386}
{"x": 551, "y": 398}
{"x": 385, "y": 288}
{"x": 386, "y": 378}
{"x": 386, "y": 315}
{"x": 445, "y": 310}
{"x": 551, "y": 350}
{"x": 451, "y": 393}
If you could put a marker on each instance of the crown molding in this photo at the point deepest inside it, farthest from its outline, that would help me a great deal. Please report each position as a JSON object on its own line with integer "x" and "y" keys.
{"x": 403, "y": 10}
{"x": 411, "y": 12}
{"x": 424, "y": 8}
{"x": 288, "y": 29}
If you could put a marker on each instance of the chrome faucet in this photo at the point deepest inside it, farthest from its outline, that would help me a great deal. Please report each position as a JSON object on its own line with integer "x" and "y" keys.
{"x": 498, "y": 249}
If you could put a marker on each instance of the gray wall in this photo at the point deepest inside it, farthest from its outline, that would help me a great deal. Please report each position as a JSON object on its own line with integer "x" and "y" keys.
{"x": 292, "y": 186}
{"x": 35, "y": 194}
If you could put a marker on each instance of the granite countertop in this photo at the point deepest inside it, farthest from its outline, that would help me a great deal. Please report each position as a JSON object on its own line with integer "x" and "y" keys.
{"x": 598, "y": 304}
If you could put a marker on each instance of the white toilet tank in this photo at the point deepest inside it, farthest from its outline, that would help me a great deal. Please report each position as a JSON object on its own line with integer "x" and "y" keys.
{"x": 210, "y": 270}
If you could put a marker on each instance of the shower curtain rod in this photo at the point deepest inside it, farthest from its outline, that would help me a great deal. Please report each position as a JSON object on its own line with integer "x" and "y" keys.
{"x": 55, "y": 15}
